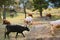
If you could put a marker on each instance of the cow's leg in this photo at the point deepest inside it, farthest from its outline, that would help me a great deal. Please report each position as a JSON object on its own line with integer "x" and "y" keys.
{"x": 16, "y": 35}
{"x": 52, "y": 30}
{"x": 23, "y": 35}
{"x": 5, "y": 35}
{"x": 8, "y": 34}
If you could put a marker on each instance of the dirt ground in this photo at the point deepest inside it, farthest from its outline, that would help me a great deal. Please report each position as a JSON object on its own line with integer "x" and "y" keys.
{"x": 39, "y": 31}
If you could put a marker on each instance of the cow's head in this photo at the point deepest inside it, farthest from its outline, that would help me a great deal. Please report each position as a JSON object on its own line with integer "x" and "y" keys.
{"x": 27, "y": 29}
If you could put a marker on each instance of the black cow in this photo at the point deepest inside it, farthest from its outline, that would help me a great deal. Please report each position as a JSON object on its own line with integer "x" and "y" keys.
{"x": 15, "y": 28}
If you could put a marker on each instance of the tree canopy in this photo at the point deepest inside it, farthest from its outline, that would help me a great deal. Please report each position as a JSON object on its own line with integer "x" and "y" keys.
{"x": 6, "y": 2}
{"x": 55, "y": 2}
{"x": 39, "y": 5}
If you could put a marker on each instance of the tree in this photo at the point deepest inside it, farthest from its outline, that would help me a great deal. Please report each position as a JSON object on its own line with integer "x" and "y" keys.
{"x": 24, "y": 2}
{"x": 39, "y": 5}
{"x": 4, "y": 4}
{"x": 55, "y": 2}
{"x": 0, "y": 16}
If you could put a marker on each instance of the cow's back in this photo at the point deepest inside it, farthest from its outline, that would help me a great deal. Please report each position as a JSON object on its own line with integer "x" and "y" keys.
{"x": 14, "y": 28}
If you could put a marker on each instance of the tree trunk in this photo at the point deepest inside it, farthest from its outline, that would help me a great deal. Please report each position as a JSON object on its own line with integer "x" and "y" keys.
{"x": 0, "y": 18}
{"x": 40, "y": 12}
{"x": 0, "y": 15}
{"x": 4, "y": 13}
{"x": 25, "y": 11}
{"x": 24, "y": 5}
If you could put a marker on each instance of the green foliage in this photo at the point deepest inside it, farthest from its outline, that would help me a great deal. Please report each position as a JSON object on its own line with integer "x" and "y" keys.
{"x": 55, "y": 2}
{"x": 38, "y": 4}
{"x": 6, "y": 2}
